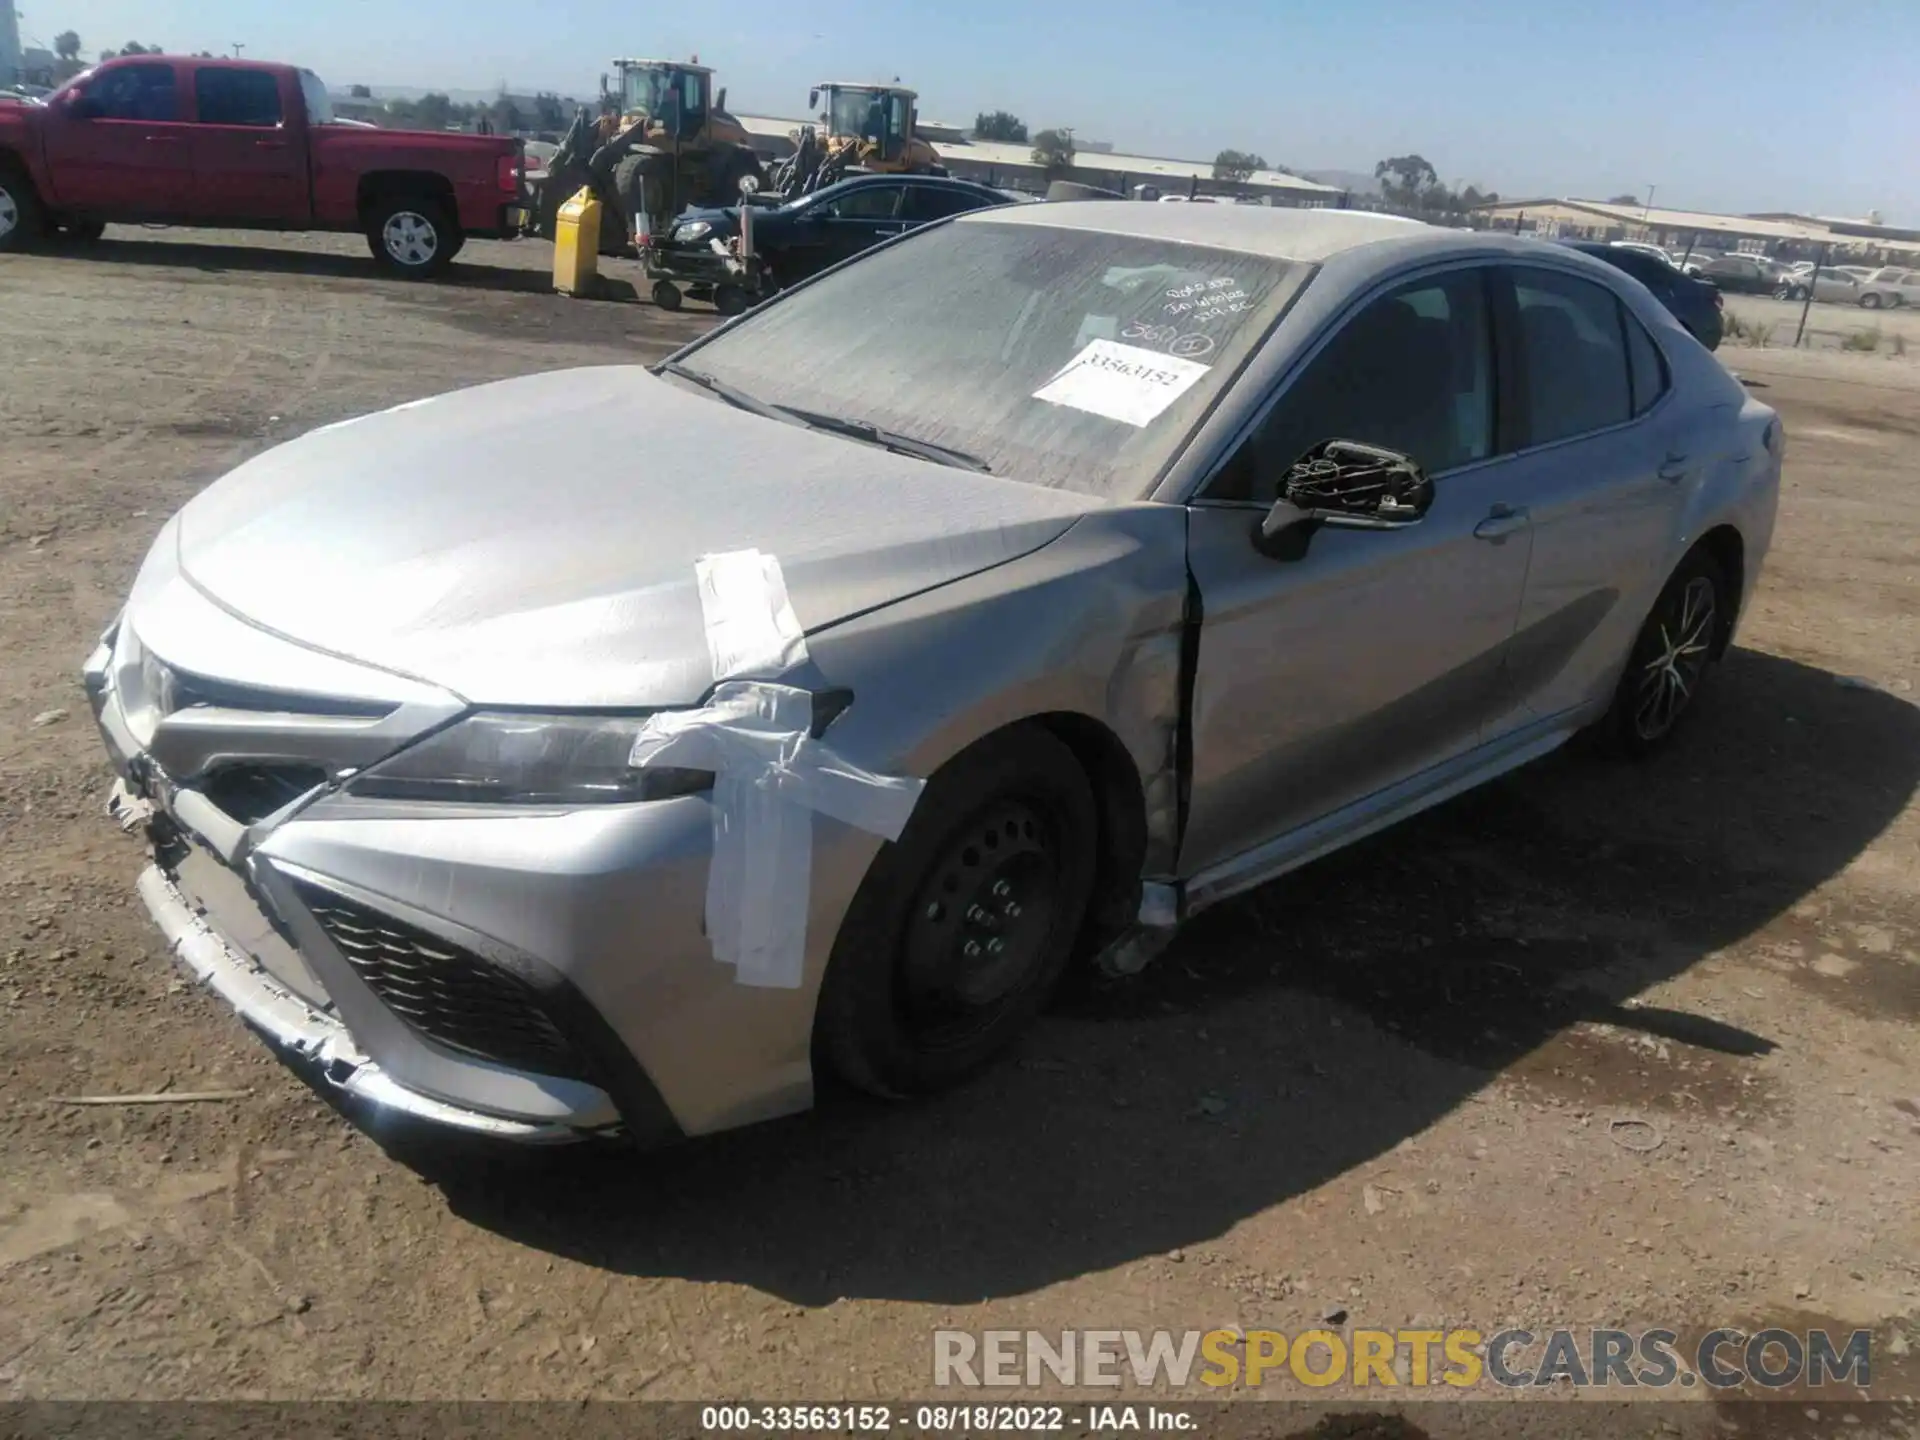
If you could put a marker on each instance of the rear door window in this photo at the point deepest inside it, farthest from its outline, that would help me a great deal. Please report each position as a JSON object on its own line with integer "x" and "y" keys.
{"x": 1573, "y": 355}
{"x": 932, "y": 202}
{"x": 870, "y": 202}
{"x": 237, "y": 97}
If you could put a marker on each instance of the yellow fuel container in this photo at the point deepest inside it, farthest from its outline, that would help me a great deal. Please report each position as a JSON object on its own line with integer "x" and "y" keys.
{"x": 576, "y": 245}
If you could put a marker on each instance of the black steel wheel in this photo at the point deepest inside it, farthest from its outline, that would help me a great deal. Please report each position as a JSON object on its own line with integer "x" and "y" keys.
{"x": 730, "y": 300}
{"x": 1671, "y": 658}
{"x": 962, "y": 928}
{"x": 666, "y": 294}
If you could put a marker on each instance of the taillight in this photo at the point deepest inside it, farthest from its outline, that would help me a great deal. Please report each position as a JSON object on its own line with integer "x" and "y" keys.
{"x": 1719, "y": 301}
{"x": 510, "y": 174}
{"x": 1776, "y": 439}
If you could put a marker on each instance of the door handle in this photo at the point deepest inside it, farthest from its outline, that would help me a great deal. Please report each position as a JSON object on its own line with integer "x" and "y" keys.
{"x": 162, "y": 139}
{"x": 1674, "y": 468}
{"x": 1502, "y": 521}
{"x": 269, "y": 144}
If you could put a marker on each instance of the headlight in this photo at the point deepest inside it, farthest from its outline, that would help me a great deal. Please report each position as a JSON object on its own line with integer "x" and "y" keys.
{"x": 505, "y": 759}
{"x": 691, "y": 231}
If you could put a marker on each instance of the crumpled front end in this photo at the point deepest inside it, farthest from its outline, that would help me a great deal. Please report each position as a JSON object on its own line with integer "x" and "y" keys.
{"x": 533, "y": 973}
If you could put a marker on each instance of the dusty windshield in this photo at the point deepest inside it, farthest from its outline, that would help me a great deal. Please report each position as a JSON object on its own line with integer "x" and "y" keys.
{"x": 1065, "y": 358}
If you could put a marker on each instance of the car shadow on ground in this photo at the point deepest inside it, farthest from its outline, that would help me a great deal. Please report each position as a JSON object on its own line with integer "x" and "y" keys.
{"x": 1288, "y": 1036}
{"x": 211, "y": 259}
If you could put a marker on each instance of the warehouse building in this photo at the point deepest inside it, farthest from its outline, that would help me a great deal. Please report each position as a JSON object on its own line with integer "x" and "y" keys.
{"x": 1777, "y": 233}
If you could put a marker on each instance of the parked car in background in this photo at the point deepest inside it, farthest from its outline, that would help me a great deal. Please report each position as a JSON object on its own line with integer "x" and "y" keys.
{"x": 1002, "y": 598}
{"x": 1694, "y": 303}
{"x": 1743, "y": 274}
{"x": 1890, "y": 287}
{"x": 1641, "y": 247}
{"x": 1691, "y": 262}
{"x": 154, "y": 139}
{"x": 1858, "y": 272}
{"x": 1827, "y": 284}
{"x": 805, "y": 236}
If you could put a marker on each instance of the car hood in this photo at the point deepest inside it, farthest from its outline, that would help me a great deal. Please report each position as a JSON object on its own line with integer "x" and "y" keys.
{"x": 532, "y": 542}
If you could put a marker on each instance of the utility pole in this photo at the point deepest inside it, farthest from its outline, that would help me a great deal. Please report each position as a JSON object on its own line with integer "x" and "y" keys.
{"x": 1649, "y": 205}
{"x": 237, "y": 48}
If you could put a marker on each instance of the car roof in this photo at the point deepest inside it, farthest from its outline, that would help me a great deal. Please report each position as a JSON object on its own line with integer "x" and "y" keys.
{"x": 1282, "y": 234}
{"x": 944, "y": 182}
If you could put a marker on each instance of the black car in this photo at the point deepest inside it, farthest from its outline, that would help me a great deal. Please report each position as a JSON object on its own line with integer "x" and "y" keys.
{"x": 1741, "y": 273}
{"x": 805, "y": 236}
{"x": 1694, "y": 303}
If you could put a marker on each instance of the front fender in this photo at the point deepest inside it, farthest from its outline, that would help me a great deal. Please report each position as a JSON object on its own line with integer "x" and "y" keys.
{"x": 1090, "y": 625}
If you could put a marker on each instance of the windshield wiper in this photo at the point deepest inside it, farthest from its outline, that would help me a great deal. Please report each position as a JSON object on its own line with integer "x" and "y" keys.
{"x": 890, "y": 439}
{"x": 739, "y": 399}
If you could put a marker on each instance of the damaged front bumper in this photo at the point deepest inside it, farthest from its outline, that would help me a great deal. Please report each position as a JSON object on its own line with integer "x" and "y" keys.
{"x": 302, "y": 1031}
{"x": 309, "y": 1034}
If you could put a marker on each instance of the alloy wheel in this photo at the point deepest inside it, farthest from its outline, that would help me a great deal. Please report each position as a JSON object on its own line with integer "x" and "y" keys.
{"x": 980, "y": 926}
{"x": 9, "y": 213}
{"x": 410, "y": 238}
{"x": 1671, "y": 674}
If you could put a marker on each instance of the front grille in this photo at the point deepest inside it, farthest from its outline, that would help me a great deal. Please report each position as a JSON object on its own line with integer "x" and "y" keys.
{"x": 447, "y": 994}
{"x": 252, "y": 792}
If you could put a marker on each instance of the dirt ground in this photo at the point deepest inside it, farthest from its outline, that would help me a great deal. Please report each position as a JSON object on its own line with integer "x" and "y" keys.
{"x": 1592, "y": 1046}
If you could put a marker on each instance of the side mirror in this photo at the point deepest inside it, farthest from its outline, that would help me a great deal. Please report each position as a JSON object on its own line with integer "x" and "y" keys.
{"x": 813, "y": 99}
{"x": 720, "y": 100}
{"x": 1350, "y": 486}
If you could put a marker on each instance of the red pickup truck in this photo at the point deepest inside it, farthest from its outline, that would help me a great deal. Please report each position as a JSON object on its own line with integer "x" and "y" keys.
{"x": 239, "y": 145}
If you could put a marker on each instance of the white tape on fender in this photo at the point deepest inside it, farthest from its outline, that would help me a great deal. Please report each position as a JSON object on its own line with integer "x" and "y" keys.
{"x": 769, "y": 774}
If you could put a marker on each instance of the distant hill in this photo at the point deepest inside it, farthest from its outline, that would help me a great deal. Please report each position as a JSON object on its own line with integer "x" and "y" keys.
{"x": 1360, "y": 182}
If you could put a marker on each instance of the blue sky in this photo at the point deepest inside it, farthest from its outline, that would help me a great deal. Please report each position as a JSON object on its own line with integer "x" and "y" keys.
{"x": 1721, "y": 104}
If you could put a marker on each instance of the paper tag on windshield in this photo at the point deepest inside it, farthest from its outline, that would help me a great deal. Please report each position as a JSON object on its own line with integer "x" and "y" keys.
{"x": 1121, "y": 382}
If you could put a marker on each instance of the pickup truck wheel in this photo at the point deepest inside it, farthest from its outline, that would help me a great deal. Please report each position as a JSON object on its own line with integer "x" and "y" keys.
{"x": 963, "y": 927}
{"x": 81, "y": 232}
{"x": 411, "y": 237}
{"x": 21, "y": 219}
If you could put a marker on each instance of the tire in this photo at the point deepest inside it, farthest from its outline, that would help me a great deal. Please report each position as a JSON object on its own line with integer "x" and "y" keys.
{"x": 22, "y": 222}
{"x": 1650, "y": 704}
{"x": 81, "y": 232}
{"x": 638, "y": 184}
{"x": 666, "y": 294}
{"x": 730, "y": 300}
{"x": 411, "y": 236}
{"x": 916, "y": 997}
{"x": 1869, "y": 302}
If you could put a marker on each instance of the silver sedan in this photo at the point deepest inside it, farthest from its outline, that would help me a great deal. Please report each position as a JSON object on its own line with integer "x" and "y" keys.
{"x": 602, "y": 751}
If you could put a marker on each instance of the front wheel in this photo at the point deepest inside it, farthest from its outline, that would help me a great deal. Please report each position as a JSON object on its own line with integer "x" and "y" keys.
{"x": 1869, "y": 302}
{"x": 412, "y": 237}
{"x": 730, "y": 300}
{"x": 21, "y": 220}
{"x": 962, "y": 927}
{"x": 1670, "y": 659}
{"x": 666, "y": 294}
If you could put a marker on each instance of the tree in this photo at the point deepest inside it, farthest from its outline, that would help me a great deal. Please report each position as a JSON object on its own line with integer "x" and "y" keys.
{"x": 548, "y": 113}
{"x": 506, "y": 116}
{"x": 360, "y": 92}
{"x": 1000, "y": 125}
{"x": 1237, "y": 166}
{"x": 1408, "y": 180}
{"x": 1053, "y": 150}
{"x": 1624, "y": 200}
{"x": 67, "y": 45}
{"x": 1473, "y": 195}
{"x": 434, "y": 112}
